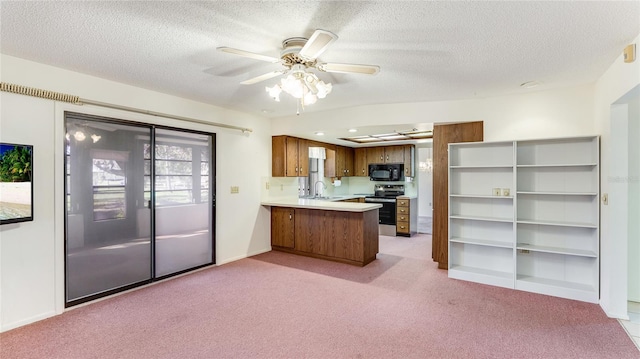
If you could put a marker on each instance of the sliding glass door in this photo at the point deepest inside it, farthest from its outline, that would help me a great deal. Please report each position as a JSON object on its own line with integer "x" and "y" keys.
{"x": 139, "y": 204}
{"x": 183, "y": 203}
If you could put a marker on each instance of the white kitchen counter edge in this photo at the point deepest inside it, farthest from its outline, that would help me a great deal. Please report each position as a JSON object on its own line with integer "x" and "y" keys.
{"x": 321, "y": 204}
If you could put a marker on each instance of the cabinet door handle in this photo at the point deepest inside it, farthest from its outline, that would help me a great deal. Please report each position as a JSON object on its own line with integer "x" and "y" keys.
{"x": 290, "y": 216}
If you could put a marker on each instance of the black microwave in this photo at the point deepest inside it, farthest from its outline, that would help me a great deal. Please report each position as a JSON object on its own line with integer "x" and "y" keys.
{"x": 386, "y": 172}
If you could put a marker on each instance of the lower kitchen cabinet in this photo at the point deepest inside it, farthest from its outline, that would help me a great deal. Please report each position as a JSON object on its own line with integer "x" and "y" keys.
{"x": 282, "y": 227}
{"x": 406, "y": 216}
{"x": 347, "y": 237}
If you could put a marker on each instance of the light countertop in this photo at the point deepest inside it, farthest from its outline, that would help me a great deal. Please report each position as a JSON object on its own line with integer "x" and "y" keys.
{"x": 329, "y": 204}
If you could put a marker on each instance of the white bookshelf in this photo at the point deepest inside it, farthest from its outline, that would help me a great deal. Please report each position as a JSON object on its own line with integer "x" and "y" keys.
{"x": 525, "y": 215}
{"x": 481, "y": 213}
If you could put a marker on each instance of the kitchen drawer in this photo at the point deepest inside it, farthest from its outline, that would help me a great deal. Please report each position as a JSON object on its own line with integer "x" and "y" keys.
{"x": 402, "y": 202}
{"x": 402, "y": 227}
{"x": 402, "y": 218}
{"x": 402, "y": 211}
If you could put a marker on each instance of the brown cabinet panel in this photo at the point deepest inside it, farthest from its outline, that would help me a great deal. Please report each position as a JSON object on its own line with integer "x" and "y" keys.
{"x": 349, "y": 237}
{"x": 442, "y": 136}
{"x": 406, "y": 216}
{"x": 394, "y": 154}
{"x": 409, "y": 160}
{"x": 292, "y": 157}
{"x": 375, "y": 155}
{"x": 289, "y": 157}
{"x": 282, "y": 227}
{"x": 361, "y": 166}
{"x": 303, "y": 157}
{"x": 348, "y": 161}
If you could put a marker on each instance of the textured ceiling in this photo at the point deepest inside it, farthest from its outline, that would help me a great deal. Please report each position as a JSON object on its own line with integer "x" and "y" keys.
{"x": 426, "y": 50}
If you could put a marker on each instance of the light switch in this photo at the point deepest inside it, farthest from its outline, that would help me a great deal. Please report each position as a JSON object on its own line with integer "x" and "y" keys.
{"x": 235, "y": 189}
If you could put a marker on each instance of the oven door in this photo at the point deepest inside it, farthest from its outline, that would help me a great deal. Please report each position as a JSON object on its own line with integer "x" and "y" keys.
{"x": 386, "y": 214}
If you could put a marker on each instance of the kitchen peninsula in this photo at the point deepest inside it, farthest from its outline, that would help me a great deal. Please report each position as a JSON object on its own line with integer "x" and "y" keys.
{"x": 340, "y": 231}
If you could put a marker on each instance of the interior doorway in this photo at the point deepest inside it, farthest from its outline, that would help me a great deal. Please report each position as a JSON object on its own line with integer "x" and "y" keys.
{"x": 425, "y": 187}
{"x": 624, "y": 182}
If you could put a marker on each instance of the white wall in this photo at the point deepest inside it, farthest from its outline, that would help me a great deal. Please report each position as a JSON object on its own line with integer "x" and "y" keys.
{"x": 32, "y": 253}
{"x": 633, "y": 253}
{"x": 425, "y": 181}
{"x": 554, "y": 113}
{"x": 619, "y": 79}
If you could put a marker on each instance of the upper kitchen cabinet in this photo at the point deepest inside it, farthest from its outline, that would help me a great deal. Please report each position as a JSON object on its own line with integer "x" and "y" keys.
{"x": 290, "y": 157}
{"x": 346, "y": 160}
{"x": 394, "y": 154}
{"x": 361, "y": 166}
{"x": 409, "y": 161}
{"x": 385, "y": 154}
{"x": 342, "y": 164}
{"x": 375, "y": 155}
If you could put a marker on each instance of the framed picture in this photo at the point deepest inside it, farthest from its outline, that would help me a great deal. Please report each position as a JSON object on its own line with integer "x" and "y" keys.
{"x": 16, "y": 181}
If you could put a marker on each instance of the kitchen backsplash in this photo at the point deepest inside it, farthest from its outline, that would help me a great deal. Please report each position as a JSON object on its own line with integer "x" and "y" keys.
{"x": 288, "y": 187}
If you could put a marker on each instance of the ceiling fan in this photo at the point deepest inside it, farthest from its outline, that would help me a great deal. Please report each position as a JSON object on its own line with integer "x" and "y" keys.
{"x": 297, "y": 56}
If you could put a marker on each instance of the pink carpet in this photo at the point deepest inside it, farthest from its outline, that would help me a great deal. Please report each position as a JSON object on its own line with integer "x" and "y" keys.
{"x": 278, "y": 305}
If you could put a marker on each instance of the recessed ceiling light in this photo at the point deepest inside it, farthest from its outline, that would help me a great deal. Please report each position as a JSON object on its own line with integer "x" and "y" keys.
{"x": 353, "y": 130}
{"x": 530, "y": 84}
{"x": 320, "y": 133}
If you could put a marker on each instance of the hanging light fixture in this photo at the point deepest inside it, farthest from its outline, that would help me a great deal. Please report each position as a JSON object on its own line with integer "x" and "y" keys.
{"x": 302, "y": 85}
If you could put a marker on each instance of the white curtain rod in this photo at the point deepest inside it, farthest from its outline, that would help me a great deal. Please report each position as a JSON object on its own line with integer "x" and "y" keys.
{"x": 57, "y": 96}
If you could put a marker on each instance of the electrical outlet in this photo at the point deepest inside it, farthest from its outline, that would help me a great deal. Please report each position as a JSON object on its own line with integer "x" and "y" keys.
{"x": 267, "y": 185}
{"x": 496, "y": 191}
{"x": 235, "y": 189}
{"x": 282, "y": 187}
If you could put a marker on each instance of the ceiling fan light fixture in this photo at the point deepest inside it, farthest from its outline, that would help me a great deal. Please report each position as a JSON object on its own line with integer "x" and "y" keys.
{"x": 274, "y": 92}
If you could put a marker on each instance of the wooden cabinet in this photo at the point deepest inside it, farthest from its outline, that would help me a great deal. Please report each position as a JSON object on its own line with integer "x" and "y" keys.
{"x": 347, "y": 237}
{"x": 394, "y": 154}
{"x": 361, "y": 166}
{"x": 406, "y": 216}
{"x": 409, "y": 161}
{"x": 289, "y": 157}
{"x": 531, "y": 224}
{"x": 344, "y": 161}
{"x": 283, "y": 227}
{"x": 375, "y": 155}
{"x": 386, "y": 154}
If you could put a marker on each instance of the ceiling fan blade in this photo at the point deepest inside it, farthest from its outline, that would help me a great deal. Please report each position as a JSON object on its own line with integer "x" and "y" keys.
{"x": 349, "y": 68}
{"x": 317, "y": 43}
{"x": 251, "y": 55}
{"x": 263, "y": 77}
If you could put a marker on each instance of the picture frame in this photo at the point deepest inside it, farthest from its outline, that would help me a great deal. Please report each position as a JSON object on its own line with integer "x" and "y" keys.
{"x": 16, "y": 183}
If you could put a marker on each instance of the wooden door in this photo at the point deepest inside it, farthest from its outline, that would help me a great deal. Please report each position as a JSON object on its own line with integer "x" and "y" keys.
{"x": 361, "y": 167}
{"x": 394, "y": 154}
{"x": 279, "y": 156}
{"x": 442, "y": 136}
{"x": 282, "y": 227}
{"x": 375, "y": 155}
{"x": 348, "y": 161}
{"x": 341, "y": 161}
{"x": 409, "y": 160}
{"x": 292, "y": 157}
{"x": 303, "y": 157}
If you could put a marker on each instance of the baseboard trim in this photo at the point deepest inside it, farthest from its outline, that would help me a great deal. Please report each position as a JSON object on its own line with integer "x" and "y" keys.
{"x": 237, "y": 258}
{"x": 27, "y": 321}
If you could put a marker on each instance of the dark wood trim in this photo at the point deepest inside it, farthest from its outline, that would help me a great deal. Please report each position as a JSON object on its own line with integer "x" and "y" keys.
{"x": 442, "y": 136}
